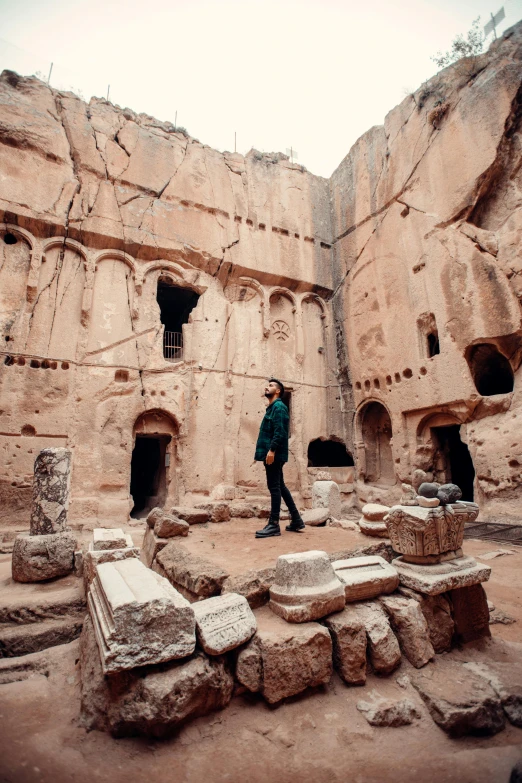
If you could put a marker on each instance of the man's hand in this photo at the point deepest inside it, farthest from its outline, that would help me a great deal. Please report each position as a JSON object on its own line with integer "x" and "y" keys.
{"x": 269, "y": 457}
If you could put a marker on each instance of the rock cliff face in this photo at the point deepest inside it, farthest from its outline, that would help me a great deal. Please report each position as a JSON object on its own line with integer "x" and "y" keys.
{"x": 148, "y": 285}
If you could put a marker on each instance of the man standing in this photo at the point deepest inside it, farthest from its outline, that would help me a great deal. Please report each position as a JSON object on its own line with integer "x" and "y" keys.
{"x": 272, "y": 449}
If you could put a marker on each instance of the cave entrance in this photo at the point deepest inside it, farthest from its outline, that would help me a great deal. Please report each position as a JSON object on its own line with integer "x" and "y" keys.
{"x": 175, "y": 306}
{"x": 491, "y": 371}
{"x": 148, "y": 485}
{"x": 452, "y": 461}
{"x": 376, "y": 430}
{"x": 328, "y": 454}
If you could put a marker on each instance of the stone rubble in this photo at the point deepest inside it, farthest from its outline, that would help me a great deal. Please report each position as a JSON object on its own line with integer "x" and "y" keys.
{"x": 411, "y": 628}
{"x": 169, "y": 526}
{"x": 194, "y": 516}
{"x": 254, "y": 585}
{"x": 437, "y": 613}
{"x": 40, "y": 557}
{"x": 200, "y": 577}
{"x": 506, "y": 681}
{"x": 92, "y": 559}
{"x": 223, "y": 623}
{"x": 325, "y": 494}
{"x": 110, "y": 538}
{"x": 315, "y": 516}
{"x": 152, "y": 544}
{"x": 138, "y": 617}
{"x": 388, "y": 712}
{"x": 366, "y": 577}
{"x": 470, "y": 613}
{"x": 348, "y": 634}
{"x": 306, "y": 587}
{"x": 282, "y": 660}
{"x": 383, "y": 650}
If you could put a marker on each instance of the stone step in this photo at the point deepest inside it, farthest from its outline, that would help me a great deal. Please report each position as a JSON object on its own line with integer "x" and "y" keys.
{"x": 33, "y": 603}
{"x": 16, "y": 640}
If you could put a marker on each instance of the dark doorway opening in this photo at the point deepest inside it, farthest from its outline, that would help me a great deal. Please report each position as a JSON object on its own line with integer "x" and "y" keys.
{"x": 328, "y": 454}
{"x": 452, "y": 461}
{"x": 491, "y": 371}
{"x": 287, "y": 399}
{"x": 148, "y": 479}
{"x": 433, "y": 344}
{"x": 175, "y": 305}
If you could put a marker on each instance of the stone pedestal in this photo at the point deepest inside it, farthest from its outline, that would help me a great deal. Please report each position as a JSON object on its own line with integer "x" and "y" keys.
{"x": 37, "y": 558}
{"x": 306, "y": 587}
{"x": 325, "y": 494}
{"x": 372, "y": 521}
{"x": 52, "y": 478}
{"x": 433, "y": 579}
{"x": 138, "y": 617}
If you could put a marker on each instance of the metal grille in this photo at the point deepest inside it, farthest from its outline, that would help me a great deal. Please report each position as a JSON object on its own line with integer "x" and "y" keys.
{"x": 173, "y": 346}
{"x": 491, "y": 531}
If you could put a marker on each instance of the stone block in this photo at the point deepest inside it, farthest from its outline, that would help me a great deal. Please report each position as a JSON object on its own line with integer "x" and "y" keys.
{"x": 375, "y": 512}
{"x": 506, "y": 681}
{"x": 306, "y": 587}
{"x": 110, "y": 538}
{"x": 366, "y": 577}
{"x": 169, "y": 526}
{"x": 376, "y": 529}
{"x": 325, "y": 494}
{"x": 243, "y": 511}
{"x": 437, "y": 613}
{"x": 441, "y": 577}
{"x": 153, "y": 700}
{"x": 138, "y": 617}
{"x": 51, "y": 481}
{"x": 92, "y": 559}
{"x": 194, "y": 573}
{"x": 152, "y": 544}
{"x": 422, "y": 534}
{"x": 411, "y": 628}
{"x": 383, "y": 648}
{"x": 470, "y": 613}
{"x": 223, "y": 623}
{"x": 254, "y": 585}
{"x": 37, "y": 558}
{"x": 388, "y": 712}
{"x": 349, "y": 645}
{"x": 218, "y": 511}
{"x": 194, "y": 516}
{"x": 282, "y": 660}
{"x": 315, "y": 516}
{"x": 459, "y": 701}
{"x": 154, "y": 516}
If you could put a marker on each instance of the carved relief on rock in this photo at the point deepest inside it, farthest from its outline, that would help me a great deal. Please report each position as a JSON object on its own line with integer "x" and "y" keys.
{"x": 422, "y": 532}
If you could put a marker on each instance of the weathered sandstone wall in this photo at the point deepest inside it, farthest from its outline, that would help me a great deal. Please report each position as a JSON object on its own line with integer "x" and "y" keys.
{"x": 427, "y": 224}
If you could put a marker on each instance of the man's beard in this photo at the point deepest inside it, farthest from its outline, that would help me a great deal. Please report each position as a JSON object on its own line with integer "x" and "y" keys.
{"x": 268, "y": 394}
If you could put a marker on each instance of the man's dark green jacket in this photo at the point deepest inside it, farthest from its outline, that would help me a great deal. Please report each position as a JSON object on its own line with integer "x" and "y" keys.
{"x": 273, "y": 433}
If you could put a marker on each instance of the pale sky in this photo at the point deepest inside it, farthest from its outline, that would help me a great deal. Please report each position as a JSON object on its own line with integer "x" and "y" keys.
{"x": 308, "y": 74}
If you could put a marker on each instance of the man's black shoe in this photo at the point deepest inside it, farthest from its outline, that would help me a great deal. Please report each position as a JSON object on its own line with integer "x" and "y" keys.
{"x": 296, "y": 525}
{"x": 271, "y": 529}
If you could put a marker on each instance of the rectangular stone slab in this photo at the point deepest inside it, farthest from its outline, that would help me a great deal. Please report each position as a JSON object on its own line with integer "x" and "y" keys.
{"x": 109, "y": 538}
{"x": 223, "y": 622}
{"x": 366, "y": 577}
{"x": 436, "y": 579}
{"x": 91, "y": 559}
{"x": 194, "y": 573}
{"x": 139, "y": 618}
{"x": 152, "y": 544}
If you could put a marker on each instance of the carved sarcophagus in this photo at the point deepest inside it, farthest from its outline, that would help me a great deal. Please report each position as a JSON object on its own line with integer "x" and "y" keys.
{"x": 424, "y": 534}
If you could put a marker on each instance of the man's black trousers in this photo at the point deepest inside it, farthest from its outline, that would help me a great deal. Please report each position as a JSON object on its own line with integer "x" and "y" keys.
{"x": 278, "y": 490}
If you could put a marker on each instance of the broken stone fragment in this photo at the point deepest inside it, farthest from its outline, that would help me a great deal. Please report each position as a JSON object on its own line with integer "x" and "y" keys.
{"x": 110, "y": 538}
{"x": 306, "y": 587}
{"x": 37, "y": 558}
{"x": 427, "y": 502}
{"x": 217, "y": 511}
{"x": 383, "y": 648}
{"x": 282, "y": 660}
{"x": 470, "y": 613}
{"x": 254, "y": 585}
{"x": 349, "y": 645}
{"x": 92, "y": 559}
{"x": 449, "y": 493}
{"x": 153, "y": 700}
{"x": 459, "y": 701}
{"x": 506, "y": 681}
{"x": 152, "y": 544}
{"x": 194, "y": 516}
{"x": 366, "y": 577}
{"x": 325, "y": 494}
{"x": 223, "y": 622}
{"x": 315, "y": 516}
{"x": 138, "y": 617}
{"x": 201, "y": 577}
{"x": 411, "y": 628}
{"x": 437, "y": 613}
{"x": 168, "y": 527}
{"x": 375, "y": 512}
{"x": 52, "y": 478}
{"x": 388, "y": 712}
{"x": 154, "y": 516}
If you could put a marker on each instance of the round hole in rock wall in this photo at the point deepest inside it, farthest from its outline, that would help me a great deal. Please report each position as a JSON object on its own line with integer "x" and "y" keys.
{"x": 46, "y": 364}
{"x": 397, "y": 377}
{"x": 9, "y": 360}
{"x": 54, "y": 365}
{"x": 10, "y": 239}
{"x": 423, "y": 371}
{"x": 28, "y": 431}
{"x": 491, "y": 371}
{"x": 21, "y": 361}
{"x": 389, "y": 380}
{"x": 358, "y": 386}
{"x": 34, "y": 363}
{"x": 367, "y": 385}
{"x": 407, "y": 373}
{"x": 328, "y": 454}
{"x": 376, "y": 383}
{"x": 65, "y": 365}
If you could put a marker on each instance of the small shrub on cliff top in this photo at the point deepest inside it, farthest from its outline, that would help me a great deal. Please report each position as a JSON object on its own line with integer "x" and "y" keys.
{"x": 468, "y": 46}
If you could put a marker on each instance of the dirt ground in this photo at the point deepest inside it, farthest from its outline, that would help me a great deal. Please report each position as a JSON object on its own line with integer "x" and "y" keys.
{"x": 317, "y": 737}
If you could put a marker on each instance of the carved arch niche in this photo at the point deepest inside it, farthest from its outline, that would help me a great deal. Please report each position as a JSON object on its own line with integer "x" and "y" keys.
{"x": 282, "y": 340}
{"x": 15, "y": 262}
{"x": 112, "y": 311}
{"x": 314, "y": 340}
{"x": 154, "y": 462}
{"x": 56, "y": 318}
{"x": 246, "y": 345}
{"x": 375, "y": 430}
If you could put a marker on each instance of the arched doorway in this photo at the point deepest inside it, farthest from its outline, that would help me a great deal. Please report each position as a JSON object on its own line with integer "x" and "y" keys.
{"x": 376, "y": 431}
{"x": 323, "y": 453}
{"x": 153, "y": 462}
